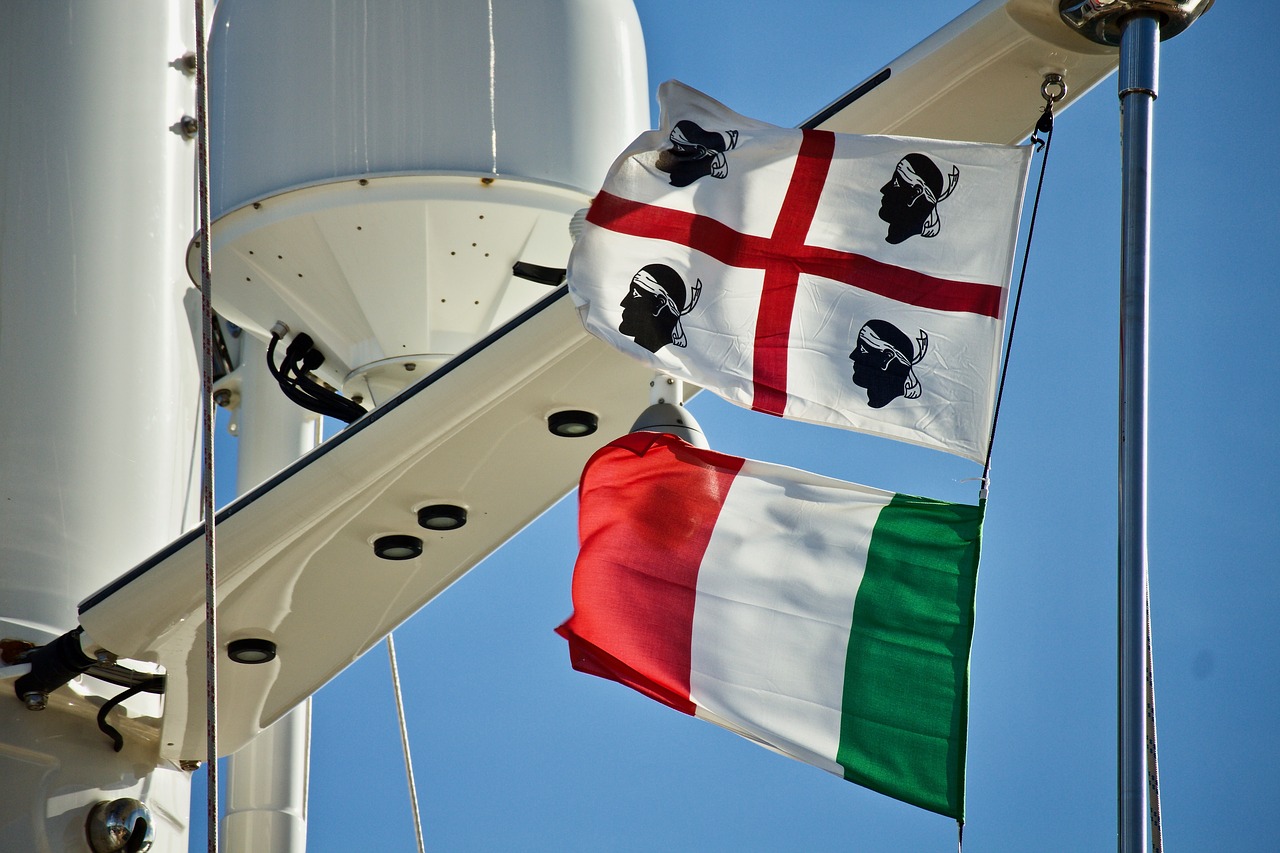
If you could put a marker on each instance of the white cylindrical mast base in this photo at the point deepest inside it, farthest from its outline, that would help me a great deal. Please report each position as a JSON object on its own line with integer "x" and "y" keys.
{"x": 267, "y": 779}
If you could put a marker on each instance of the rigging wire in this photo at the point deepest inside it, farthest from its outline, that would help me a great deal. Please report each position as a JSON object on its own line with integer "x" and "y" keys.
{"x": 1043, "y": 125}
{"x": 1153, "y": 767}
{"x": 404, "y": 743}
{"x": 206, "y": 374}
{"x": 493, "y": 94}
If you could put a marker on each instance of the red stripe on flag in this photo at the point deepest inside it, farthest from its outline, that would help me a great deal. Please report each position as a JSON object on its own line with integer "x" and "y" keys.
{"x": 647, "y": 507}
{"x": 903, "y": 284}
{"x": 733, "y": 248}
{"x": 707, "y": 235}
{"x": 782, "y": 271}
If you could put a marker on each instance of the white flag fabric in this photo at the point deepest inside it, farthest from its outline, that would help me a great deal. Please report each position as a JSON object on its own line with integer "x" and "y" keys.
{"x": 854, "y": 281}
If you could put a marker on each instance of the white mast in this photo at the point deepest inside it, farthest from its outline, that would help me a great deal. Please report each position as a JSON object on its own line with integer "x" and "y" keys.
{"x": 98, "y": 365}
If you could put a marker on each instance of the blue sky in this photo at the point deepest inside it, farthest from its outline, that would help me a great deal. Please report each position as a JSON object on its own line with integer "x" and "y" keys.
{"x": 515, "y": 751}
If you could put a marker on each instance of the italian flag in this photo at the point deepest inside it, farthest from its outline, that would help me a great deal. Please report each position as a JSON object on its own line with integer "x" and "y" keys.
{"x": 828, "y": 621}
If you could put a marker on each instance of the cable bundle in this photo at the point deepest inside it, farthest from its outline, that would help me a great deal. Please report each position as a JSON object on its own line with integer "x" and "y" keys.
{"x": 300, "y": 358}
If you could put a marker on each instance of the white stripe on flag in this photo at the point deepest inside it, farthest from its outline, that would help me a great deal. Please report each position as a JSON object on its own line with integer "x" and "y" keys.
{"x": 773, "y": 611}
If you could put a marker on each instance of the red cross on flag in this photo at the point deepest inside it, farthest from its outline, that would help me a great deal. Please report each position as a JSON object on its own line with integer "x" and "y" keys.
{"x": 854, "y": 281}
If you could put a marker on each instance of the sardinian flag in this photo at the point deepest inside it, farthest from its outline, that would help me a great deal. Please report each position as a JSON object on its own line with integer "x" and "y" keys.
{"x": 855, "y": 281}
{"x": 828, "y": 621}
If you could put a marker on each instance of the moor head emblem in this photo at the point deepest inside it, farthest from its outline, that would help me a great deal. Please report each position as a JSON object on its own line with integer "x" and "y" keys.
{"x": 883, "y": 360}
{"x": 909, "y": 200}
{"x": 653, "y": 306}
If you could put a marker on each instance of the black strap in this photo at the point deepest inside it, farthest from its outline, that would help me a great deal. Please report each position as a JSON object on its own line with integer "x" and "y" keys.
{"x": 550, "y": 276}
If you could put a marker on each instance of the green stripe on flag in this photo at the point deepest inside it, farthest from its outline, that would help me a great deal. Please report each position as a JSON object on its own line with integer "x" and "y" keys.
{"x": 906, "y": 690}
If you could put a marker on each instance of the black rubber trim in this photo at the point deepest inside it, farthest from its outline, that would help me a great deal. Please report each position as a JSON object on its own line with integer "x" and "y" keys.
{"x": 853, "y": 95}
{"x": 552, "y": 276}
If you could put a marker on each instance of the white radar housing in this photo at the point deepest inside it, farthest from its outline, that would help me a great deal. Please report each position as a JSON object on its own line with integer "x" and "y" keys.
{"x": 379, "y": 169}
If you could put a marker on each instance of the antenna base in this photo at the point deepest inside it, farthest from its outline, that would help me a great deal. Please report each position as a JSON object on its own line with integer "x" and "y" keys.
{"x": 1099, "y": 20}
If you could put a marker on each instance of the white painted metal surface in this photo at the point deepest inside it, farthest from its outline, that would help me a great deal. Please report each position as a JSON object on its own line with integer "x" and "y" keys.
{"x": 55, "y": 766}
{"x": 266, "y": 802}
{"x": 97, "y": 364}
{"x": 394, "y": 276}
{"x": 296, "y": 562}
{"x": 977, "y": 79}
{"x": 304, "y": 94}
{"x": 95, "y": 200}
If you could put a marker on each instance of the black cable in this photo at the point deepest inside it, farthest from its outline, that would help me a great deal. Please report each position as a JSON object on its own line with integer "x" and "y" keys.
{"x": 114, "y": 673}
{"x": 300, "y": 358}
{"x": 271, "y": 357}
{"x": 306, "y": 358}
{"x": 286, "y": 383}
{"x": 109, "y": 730}
{"x": 1045, "y": 126}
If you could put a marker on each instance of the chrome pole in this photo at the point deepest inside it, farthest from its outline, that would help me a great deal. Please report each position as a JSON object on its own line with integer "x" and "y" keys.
{"x": 1139, "y": 69}
{"x": 1136, "y": 26}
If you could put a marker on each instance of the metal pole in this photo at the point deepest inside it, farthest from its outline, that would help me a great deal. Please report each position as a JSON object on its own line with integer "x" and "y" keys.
{"x": 1139, "y": 69}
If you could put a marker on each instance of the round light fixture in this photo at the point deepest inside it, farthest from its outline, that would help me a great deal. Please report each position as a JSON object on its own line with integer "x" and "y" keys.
{"x": 251, "y": 650}
{"x": 442, "y": 517}
{"x": 572, "y": 423}
{"x": 397, "y": 547}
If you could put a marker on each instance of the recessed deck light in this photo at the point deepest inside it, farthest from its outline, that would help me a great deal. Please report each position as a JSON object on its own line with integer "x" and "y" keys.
{"x": 251, "y": 650}
{"x": 397, "y": 547}
{"x": 442, "y": 517}
{"x": 572, "y": 423}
